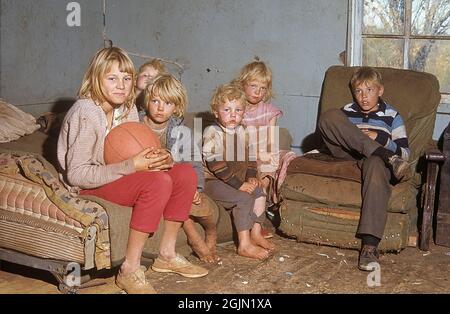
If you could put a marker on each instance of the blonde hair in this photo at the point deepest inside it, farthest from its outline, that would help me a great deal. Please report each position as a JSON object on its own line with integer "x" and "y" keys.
{"x": 169, "y": 89}
{"x": 256, "y": 71}
{"x": 227, "y": 92}
{"x": 366, "y": 74}
{"x": 156, "y": 64}
{"x": 91, "y": 86}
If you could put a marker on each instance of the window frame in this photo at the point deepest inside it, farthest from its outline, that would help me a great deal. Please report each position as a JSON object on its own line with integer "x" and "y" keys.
{"x": 355, "y": 37}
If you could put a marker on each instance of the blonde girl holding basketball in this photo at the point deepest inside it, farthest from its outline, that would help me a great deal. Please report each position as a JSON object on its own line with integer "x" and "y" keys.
{"x": 106, "y": 99}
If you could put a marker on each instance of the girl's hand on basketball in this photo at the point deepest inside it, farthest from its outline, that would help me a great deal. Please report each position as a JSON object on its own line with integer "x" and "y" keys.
{"x": 160, "y": 159}
{"x": 140, "y": 161}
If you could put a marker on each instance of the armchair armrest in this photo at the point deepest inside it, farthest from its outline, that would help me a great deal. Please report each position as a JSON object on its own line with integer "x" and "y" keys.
{"x": 433, "y": 157}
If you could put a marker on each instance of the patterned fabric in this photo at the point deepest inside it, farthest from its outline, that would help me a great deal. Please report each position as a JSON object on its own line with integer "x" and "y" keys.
{"x": 87, "y": 213}
{"x": 386, "y": 121}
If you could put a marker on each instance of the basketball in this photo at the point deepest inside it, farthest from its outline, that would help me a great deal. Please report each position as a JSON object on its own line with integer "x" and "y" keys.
{"x": 128, "y": 139}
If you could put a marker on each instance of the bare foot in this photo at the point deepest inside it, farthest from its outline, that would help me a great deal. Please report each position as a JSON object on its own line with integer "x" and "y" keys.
{"x": 258, "y": 239}
{"x": 253, "y": 251}
{"x": 211, "y": 242}
{"x": 202, "y": 251}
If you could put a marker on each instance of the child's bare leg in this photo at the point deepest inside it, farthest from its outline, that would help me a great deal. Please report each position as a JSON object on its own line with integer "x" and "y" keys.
{"x": 197, "y": 243}
{"x": 256, "y": 235}
{"x": 209, "y": 225}
{"x": 248, "y": 249}
{"x": 265, "y": 183}
{"x": 260, "y": 206}
{"x": 259, "y": 239}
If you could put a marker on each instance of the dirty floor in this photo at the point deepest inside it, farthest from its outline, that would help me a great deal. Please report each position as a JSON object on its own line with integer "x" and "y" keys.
{"x": 294, "y": 268}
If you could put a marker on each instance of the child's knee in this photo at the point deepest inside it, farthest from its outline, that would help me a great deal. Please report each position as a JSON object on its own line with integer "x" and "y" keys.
{"x": 329, "y": 117}
{"x": 245, "y": 200}
{"x": 185, "y": 174}
{"x": 157, "y": 182}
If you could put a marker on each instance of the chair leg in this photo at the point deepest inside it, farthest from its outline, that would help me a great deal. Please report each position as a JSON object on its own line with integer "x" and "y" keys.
{"x": 428, "y": 208}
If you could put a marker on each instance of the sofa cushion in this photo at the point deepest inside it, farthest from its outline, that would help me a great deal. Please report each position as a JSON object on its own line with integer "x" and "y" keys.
{"x": 326, "y": 166}
{"x": 338, "y": 192}
{"x": 326, "y": 225}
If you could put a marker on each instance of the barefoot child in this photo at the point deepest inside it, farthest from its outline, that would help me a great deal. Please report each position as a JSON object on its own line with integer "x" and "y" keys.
{"x": 166, "y": 101}
{"x": 230, "y": 178}
{"x": 255, "y": 79}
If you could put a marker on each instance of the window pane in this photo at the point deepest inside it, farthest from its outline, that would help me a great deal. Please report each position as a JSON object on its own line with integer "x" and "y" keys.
{"x": 383, "y": 17}
{"x": 432, "y": 56}
{"x": 383, "y": 52}
{"x": 430, "y": 17}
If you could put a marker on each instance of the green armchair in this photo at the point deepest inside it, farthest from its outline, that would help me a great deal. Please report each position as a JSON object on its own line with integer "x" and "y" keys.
{"x": 322, "y": 196}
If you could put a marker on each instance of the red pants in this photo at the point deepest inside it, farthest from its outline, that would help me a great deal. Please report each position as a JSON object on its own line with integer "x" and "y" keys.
{"x": 152, "y": 195}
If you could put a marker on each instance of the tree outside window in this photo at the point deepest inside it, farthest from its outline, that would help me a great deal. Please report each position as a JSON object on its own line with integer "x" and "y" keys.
{"x": 408, "y": 34}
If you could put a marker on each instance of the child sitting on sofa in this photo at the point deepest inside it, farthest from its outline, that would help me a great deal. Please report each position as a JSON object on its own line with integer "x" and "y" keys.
{"x": 230, "y": 176}
{"x": 166, "y": 102}
{"x": 371, "y": 131}
{"x": 260, "y": 118}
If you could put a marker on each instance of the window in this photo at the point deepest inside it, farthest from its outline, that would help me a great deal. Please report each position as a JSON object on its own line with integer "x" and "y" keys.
{"x": 408, "y": 34}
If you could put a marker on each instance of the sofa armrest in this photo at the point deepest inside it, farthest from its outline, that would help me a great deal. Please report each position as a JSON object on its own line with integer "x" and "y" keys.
{"x": 433, "y": 157}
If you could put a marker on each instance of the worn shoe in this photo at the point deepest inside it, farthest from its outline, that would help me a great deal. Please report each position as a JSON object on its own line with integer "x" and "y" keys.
{"x": 399, "y": 166}
{"x": 369, "y": 254}
{"x": 135, "y": 283}
{"x": 179, "y": 265}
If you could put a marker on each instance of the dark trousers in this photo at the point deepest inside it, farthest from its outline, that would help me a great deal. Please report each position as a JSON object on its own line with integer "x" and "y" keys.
{"x": 343, "y": 138}
{"x": 241, "y": 203}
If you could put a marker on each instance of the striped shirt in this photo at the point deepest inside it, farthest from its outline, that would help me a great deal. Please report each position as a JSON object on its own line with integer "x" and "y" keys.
{"x": 386, "y": 122}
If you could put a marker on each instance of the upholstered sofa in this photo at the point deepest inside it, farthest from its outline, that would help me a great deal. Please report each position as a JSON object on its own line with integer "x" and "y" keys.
{"x": 42, "y": 226}
{"x": 322, "y": 196}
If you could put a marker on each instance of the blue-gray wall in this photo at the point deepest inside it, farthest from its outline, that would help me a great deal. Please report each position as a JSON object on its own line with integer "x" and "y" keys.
{"x": 214, "y": 39}
{"x": 43, "y": 60}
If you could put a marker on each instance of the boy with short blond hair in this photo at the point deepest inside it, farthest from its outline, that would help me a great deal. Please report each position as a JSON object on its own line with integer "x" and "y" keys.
{"x": 230, "y": 176}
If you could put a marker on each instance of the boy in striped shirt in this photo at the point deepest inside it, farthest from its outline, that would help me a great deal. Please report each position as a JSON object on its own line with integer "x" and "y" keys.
{"x": 373, "y": 132}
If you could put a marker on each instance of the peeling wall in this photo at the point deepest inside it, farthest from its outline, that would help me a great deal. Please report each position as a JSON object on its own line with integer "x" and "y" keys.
{"x": 214, "y": 39}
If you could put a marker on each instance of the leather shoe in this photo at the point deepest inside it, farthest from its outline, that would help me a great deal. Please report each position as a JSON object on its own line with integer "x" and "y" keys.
{"x": 135, "y": 283}
{"x": 179, "y": 265}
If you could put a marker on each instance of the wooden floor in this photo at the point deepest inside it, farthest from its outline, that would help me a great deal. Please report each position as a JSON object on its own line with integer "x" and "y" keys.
{"x": 294, "y": 268}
